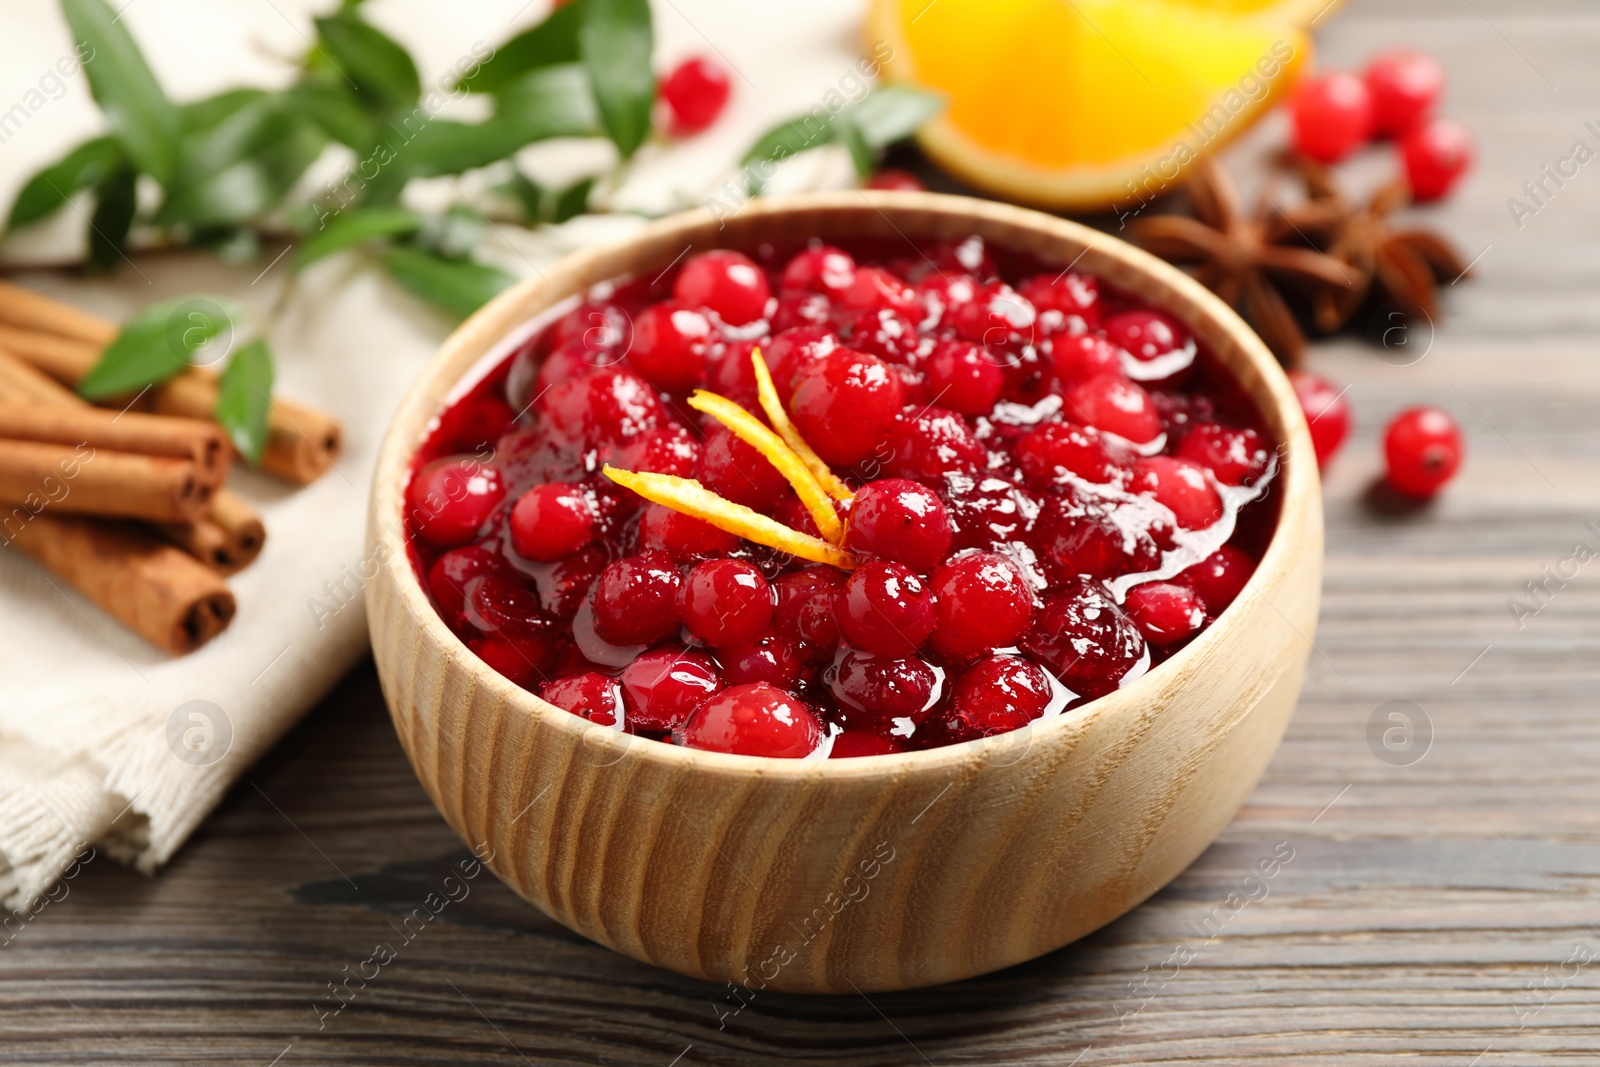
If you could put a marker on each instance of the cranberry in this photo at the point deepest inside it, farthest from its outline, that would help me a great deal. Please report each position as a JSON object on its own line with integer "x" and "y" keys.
{"x": 1115, "y": 405}
{"x": 732, "y": 373}
{"x": 1165, "y": 612}
{"x": 989, "y": 514}
{"x": 752, "y": 720}
{"x": 808, "y": 606}
{"x": 695, "y": 92}
{"x": 800, "y": 309}
{"x": 997, "y": 694}
{"x": 1094, "y": 540}
{"x": 669, "y": 346}
{"x": 1332, "y": 116}
{"x": 820, "y": 269}
{"x": 1062, "y": 448}
{"x": 1234, "y": 455}
{"x": 591, "y": 694}
{"x": 450, "y": 573}
{"x": 886, "y": 609}
{"x": 1086, "y": 640}
{"x": 964, "y": 378}
{"x": 1160, "y": 347}
{"x": 597, "y": 328}
{"x": 874, "y": 690}
{"x": 603, "y": 408}
{"x": 875, "y": 289}
{"x": 855, "y": 743}
{"x": 496, "y": 603}
{"x": 1405, "y": 84}
{"x": 929, "y": 444}
{"x": 1436, "y": 156}
{"x": 725, "y": 602}
{"x": 636, "y": 599}
{"x": 895, "y": 180}
{"x": 943, "y": 293}
{"x": 661, "y": 687}
{"x": 1327, "y": 412}
{"x": 732, "y": 468}
{"x": 550, "y": 521}
{"x": 669, "y": 450}
{"x": 1073, "y": 297}
{"x": 473, "y": 424}
{"x": 564, "y": 584}
{"x": 880, "y": 332}
{"x": 1423, "y": 448}
{"x": 1180, "y": 486}
{"x": 844, "y": 403}
{"x": 899, "y": 520}
{"x": 684, "y": 536}
{"x": 729, "y": 283}
{"x": 997, "y": 316}
{"x": 510, "y": 658}
{"x": 450, "y": 499}
{"x": 771, "y": 659}
{"x": 1219, "y": 578}
{"x": 1084, "y": 356}
{"x": 792, "y": 351}
{"x": 981, "y": 602}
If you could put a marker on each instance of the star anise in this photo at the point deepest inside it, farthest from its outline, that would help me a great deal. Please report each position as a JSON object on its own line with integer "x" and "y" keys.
{"x": 1244, "y": 259}
{"x": 1404, "y": 266}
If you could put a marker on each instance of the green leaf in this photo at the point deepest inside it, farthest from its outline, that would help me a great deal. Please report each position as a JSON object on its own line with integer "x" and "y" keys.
{"x": 354, "y": 227}
{"x": 159, "y": 342}
{"x": 555, "y": 40}
{"x": 865, "y": 128}
{"x": 201, "y": 115}
{"x": 542, "y": 204}
{"x": 892, "y": 114}
{"x": 84, "y": 167}
{"x": 862, "y": 154}
{"x": 329, "y": 102}
{"x": 380, "y": 70}
{"x": 459, "y": 286}
{"x": 141, "y": 117}
{"x": 615, "y": 38}
{"x": 243, "y": 166}
{"x": 453, "y": 234}
{"x": 115, "y": 200}
{"x": 571, "y": 201}
{"x": 244, "y": 397}
{"x": 552, "y": 102}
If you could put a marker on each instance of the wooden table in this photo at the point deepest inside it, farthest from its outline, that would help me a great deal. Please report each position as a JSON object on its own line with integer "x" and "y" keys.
{"x": 1438, "y": 903}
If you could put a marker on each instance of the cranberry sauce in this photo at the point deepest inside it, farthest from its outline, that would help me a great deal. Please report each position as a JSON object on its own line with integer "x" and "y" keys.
{"x": 1056, "y": 488}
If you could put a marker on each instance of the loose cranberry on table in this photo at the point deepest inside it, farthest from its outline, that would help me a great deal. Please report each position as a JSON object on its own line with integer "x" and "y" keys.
{"x": 1332, "y": 116}
{"x": 1423, "y": 447}
{"x": 1436, "y": 156}
{"x": 1405, "y": 85}
{"x": 1327, "y": 412}
{"x": 896, "y": 180}
{"x": 695, "y": 93}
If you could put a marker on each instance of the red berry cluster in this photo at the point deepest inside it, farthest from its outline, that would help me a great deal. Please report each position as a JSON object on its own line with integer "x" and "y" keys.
{"x": 1054, "y": 489}
{"x": 1394, "y": 98}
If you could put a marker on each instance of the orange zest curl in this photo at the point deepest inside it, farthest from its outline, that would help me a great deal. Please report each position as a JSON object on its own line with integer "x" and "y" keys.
{"x": 791, "y": 435}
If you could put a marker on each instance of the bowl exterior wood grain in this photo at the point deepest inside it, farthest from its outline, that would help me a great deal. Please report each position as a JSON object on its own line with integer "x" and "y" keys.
{"x": 885, "y": 872}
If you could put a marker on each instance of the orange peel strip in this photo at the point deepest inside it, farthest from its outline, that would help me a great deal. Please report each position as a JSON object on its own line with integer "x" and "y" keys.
{"x": 779, "y": 418}
{"x": 747, "y": 428}
{"x": 692, "y": 498}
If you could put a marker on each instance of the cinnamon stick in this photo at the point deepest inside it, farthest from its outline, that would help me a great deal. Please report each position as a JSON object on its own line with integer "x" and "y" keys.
{"x": 22, "y": 382}
{"x": 65, "y": 359}
{"x": 83, "y": 480}
{"x": 201, "y": 442}
{"x": 153, "y": 588}
{"x": 29, "y": 310}
{"x": 227, "y": 540}
{"x": 301, "y": 442}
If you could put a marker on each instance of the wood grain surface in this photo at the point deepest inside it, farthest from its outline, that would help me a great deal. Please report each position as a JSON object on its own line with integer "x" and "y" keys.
{"x": 1442, "y": 912}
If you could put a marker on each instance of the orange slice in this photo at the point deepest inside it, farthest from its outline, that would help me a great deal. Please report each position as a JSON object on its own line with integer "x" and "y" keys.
{"x": 1088, "y": 104}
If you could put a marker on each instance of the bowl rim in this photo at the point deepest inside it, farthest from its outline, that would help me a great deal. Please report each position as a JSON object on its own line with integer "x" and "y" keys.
{"x": 483, "y": 330}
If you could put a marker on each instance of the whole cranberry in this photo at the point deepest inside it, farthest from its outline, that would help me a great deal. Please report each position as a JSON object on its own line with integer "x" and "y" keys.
{"x": 771, "y": 659}
{"x": 669, "y": 346}
{"x": 1235, "y": 455}
{"x": 820, "y": 269}
{"x": 875, "y": 289}
{"x": 591, "y": 694}
{"x": 449, "y": 574}
{"x": 565, "y": 584}
{"x": 636, "y": 599}
{"x": 1423, "y": 448}
{"x": 889, "y": 335}
{"x": 1094, "y": 540}
{"x": 997, "y": 694}
{"x": 1079, "y": 357}
{"x": 900, "y": 520}
{"x": 808, "y": 607}
{"x": 726, "y": 602}
{"x": 668, "y": 450}
{"x": 895, "y": 180}
{"x": 886, "y": 609}
{"x": 793, "y": 350}
{"x": 730, "y": 371}
{"x": 1436, "y": 156}
{"x": 733, "y": 469}
{"x": 472, "y": 424}
{"x": 729, "y": 283}
{"x": 1057, "y": 449}
{"x": 599, "y": 328}
{"x": 518, "y": 660}
{"x": 1115, "y": 405}
{"x": 552, "y": 520}
{"x": 606, "y": 407}
{"x": 695, "y": 93}
{"x": 1086, "y": 641}
{"x": 981, "y": 602}
{"x": 990, "y": 513}
{"x": 1405, "y": 85}
{"x": 661, "y": 687}
{"x": 1159, "y": 344}
{"x": 875, "y": 690}
{"x": 998, "y": 316}
{"x": 800, "y": 309}
{"x": 1181, "y": 487}
{"x": 1332, "y": 116}
{"x": 683, "y": 536}
{"x": 1165, "y": 612}
{"x": 752, "y": 720}
{"x": 1326, "y": 410}
{"x": 964, "y": 377}
{"x": 928, "y": 445}
{"x": 1219, "y": 578}
{"x": 1074, "y": 297}
{"x": 450, "y": 499}
{"x": 844, "y": 403}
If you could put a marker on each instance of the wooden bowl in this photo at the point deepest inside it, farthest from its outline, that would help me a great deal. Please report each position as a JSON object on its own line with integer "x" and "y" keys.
{"x": 885, "y": 872}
